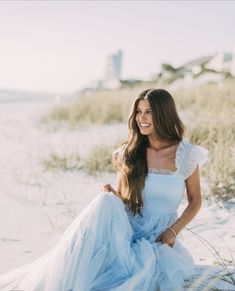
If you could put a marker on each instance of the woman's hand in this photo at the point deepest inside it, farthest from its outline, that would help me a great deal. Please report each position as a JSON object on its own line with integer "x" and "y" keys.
{"x": 109, "y": 188}
{"x": 167, "y": 237}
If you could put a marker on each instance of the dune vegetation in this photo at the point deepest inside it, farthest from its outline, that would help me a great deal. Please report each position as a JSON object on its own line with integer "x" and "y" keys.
{"x": 208, "y": 112}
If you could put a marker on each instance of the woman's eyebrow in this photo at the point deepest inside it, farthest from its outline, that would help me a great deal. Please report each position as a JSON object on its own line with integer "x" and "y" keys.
{"x": 144, "y": 109}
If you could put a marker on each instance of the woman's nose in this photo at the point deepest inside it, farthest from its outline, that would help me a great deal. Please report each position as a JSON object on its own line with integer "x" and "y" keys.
{"x": 143, "y": 116}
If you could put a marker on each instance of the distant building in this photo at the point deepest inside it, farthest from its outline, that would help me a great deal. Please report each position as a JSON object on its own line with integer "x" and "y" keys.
{"x": 113, "y": 68}
{"x": 201, "y": 70}
{"x": 194, "y": 67}
{"x": 221, "y": 62}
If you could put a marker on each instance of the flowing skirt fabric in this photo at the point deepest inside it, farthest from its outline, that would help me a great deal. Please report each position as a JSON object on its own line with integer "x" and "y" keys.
{"x": 98, "y": 252}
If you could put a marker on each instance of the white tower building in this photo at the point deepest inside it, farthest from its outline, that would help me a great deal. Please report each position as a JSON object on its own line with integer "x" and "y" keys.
{"x": 113, "y": 70}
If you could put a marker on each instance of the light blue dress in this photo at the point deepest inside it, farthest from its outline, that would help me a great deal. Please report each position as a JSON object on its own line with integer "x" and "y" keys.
{"x": 107, "y": 248}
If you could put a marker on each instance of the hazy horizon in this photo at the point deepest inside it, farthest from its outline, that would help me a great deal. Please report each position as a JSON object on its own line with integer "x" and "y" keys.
{"x": 60, "y": 46}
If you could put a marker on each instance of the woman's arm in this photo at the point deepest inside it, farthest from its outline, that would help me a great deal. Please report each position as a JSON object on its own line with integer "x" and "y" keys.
{"x": 194, "y": 203}
{"x": 117, "y": 161}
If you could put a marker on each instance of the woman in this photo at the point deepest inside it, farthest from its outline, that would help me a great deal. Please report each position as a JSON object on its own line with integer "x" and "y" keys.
{"x": 127, "y": 239}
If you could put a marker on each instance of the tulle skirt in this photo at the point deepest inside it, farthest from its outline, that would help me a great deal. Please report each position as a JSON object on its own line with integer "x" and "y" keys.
{"x": 97, "y": 252}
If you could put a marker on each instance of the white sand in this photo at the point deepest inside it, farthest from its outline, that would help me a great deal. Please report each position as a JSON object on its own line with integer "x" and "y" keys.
{"x": 36, "y": 206}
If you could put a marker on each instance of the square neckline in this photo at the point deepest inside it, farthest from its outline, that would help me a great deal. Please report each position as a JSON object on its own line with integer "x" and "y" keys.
{"x": 168, "y": 172}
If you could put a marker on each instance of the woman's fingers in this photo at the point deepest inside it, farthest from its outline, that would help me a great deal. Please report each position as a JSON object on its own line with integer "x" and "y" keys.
{"x": 158, "y": 239}
{"x": 108, "y": 188}
{"x": 164, "y": 239}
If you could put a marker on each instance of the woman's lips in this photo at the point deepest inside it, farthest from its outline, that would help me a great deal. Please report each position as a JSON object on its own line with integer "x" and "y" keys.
{"x": 144, "y": 125}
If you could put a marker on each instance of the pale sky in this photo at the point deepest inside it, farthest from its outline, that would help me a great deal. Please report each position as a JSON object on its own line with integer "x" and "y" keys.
{"x": 60, "y": 46}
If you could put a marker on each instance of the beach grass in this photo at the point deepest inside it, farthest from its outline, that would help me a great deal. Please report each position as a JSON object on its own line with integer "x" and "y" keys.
{"x": 99, "y": 160}
{"x": 212, "y": 125}
{"x": 55, "y": 162}
{"x": 208, "y": 112}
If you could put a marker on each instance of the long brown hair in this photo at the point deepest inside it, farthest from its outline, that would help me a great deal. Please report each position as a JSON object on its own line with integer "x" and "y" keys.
{"x": 167, "y": 125}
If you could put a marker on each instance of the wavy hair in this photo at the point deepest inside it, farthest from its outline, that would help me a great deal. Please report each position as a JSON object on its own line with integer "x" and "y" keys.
{"x": 167, "y": 126}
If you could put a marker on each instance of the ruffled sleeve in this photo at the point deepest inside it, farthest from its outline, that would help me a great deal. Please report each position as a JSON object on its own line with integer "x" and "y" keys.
{"x": 188, "y": 157}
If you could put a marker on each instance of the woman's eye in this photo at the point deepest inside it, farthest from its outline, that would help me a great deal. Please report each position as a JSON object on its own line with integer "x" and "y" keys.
{"x": 145, "y": 112}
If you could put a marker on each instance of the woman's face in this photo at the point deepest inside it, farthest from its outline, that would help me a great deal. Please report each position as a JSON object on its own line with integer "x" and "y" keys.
{"x": 144, "y": 118}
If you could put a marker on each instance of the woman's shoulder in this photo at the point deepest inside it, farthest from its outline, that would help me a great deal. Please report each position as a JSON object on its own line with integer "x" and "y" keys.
{"x": 119, "y": 151}
{"x": 118, "y": 156}
{"x": 189, "y": 156}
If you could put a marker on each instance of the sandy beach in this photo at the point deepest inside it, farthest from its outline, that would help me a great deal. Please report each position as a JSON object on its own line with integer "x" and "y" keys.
{"x": 36, "y": 205}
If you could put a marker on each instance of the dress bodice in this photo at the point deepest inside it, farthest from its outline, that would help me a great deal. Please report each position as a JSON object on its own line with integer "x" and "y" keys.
{"x": 163, "y": 193}
{"x": 164, "y": 190}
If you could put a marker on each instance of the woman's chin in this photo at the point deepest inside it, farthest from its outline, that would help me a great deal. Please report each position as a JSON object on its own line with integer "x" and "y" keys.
{"x": 144, "y": 132}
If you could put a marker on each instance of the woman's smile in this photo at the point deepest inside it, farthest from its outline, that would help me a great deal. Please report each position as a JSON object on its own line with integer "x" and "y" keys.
{"x": 144, "y": 125}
